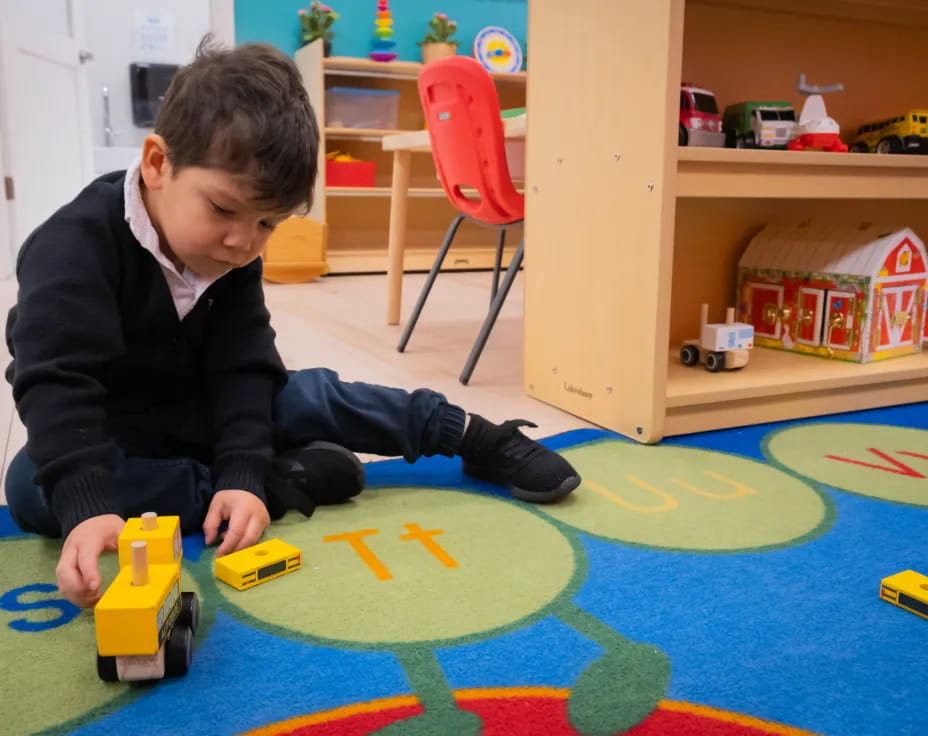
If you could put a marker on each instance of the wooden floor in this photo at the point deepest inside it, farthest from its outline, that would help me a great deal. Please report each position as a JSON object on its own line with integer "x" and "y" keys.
{"x": 338, "y": 322}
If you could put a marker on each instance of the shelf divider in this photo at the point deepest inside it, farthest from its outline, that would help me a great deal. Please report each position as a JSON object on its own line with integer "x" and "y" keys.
{"x": 746, "y": 173}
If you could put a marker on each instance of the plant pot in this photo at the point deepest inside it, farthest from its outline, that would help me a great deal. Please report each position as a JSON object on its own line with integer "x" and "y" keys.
{"x": 432, "y": 51}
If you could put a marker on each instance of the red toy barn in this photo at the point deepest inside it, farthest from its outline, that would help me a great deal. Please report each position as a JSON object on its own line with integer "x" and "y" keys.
{"x": 848, "y": 292}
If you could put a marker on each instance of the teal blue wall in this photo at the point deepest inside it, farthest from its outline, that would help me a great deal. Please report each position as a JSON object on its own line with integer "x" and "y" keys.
{"x": 275, "y": 21}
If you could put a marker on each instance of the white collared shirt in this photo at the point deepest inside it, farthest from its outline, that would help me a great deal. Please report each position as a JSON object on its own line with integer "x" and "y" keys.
{"x": 186, "y": 287}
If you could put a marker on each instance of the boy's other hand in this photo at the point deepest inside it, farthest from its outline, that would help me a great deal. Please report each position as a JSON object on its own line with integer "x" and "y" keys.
{"x": 247, "y": 516}
{"x": 78, "y": 572}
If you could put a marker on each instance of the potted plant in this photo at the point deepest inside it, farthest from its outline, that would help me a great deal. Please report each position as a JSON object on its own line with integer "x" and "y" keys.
{"x": 316, "y": 23}
{"x": 437, "y": 42}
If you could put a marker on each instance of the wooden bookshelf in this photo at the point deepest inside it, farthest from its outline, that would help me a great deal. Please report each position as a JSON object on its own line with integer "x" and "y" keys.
{"x": 357, "y": 218}
{"x": 628, "y": 233}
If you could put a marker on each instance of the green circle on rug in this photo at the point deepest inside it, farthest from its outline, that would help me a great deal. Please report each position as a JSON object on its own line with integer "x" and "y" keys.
{"x": 684, "y": 498}
{"x": 48, "y": 642}
{"x": 403, "y": 565}
{"x": 876, "y": 460}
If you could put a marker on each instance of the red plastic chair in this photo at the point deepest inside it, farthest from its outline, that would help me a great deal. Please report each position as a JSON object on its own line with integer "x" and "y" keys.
{"x": 466, "y": 132}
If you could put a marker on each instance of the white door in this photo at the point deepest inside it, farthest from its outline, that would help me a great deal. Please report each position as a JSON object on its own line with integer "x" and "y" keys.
{"x": 6, "y": 254}
{"x": 44, "y": 111}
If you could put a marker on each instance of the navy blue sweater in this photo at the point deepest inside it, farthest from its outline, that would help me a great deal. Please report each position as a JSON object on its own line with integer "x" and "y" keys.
{"x": 103, "y": 367}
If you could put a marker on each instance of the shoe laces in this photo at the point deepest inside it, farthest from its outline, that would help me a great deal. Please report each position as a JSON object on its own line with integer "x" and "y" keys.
{"x": 513, "y": 444}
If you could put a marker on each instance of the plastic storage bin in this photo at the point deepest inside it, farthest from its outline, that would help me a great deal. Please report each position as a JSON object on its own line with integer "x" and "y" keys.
{"x": 352, "y": 107}
{"x": 350, "y": 173}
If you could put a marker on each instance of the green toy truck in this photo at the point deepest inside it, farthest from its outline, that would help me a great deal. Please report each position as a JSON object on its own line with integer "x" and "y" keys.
{"x": 759, "y": 124}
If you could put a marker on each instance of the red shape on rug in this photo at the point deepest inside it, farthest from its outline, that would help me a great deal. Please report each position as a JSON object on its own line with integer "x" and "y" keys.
{"x": 524, "y": 715}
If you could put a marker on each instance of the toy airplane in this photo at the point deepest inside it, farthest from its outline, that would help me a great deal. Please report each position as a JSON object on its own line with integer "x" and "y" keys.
{"x": 816, "y": 129}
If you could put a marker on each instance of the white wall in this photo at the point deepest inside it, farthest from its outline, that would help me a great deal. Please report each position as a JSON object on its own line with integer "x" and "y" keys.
{"x": 110, "y": 28}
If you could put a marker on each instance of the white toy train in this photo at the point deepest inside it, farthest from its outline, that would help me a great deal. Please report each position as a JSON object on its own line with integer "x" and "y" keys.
{"x": 719, "y": 345}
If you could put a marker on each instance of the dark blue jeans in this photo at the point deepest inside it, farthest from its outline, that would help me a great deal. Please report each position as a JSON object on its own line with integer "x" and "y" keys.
{"x": 314, "y": 405}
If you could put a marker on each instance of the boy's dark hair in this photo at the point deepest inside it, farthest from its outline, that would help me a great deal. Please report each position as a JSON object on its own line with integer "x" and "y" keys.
{"x": 245, "y": 111}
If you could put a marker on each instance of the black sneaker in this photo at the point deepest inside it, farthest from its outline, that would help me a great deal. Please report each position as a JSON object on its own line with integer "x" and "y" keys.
{"x": 500, "y": 453}
{"x": 320, "y": 473}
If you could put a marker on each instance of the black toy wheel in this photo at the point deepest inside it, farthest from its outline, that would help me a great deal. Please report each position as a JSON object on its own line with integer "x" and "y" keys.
{"x": 714, "y": 362}
{"x": 689, "y": 355}
{"x": 189, "y": 611}
{"x": 106, "y": 668}
{"x": 748, "y": 141}
{"x": 859, "y": 147}
{"x": 683, "y": 137}
{"x": 178, "y": 652}
{"x": 889, "y": 145}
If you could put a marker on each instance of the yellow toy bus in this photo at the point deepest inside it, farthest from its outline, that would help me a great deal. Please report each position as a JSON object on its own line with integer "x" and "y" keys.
{"x": 908, "y": 590}
{"x": 144, "y": 624}
{"x": 257, "y": 564}
{"x": 905, "y": 133}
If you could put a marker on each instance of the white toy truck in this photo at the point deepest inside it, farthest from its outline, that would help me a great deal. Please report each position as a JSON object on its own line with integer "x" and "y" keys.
{"x": 719, "y": 345}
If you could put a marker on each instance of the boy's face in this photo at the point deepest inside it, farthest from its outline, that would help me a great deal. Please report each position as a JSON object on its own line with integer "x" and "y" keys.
{"x": 207, "y": 218}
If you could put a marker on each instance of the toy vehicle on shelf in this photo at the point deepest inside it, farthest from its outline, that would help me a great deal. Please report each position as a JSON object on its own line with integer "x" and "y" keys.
{"x": 816, "y": 129}
{"x": 144, "y": 624}
{"x": 756, "y": 124}
{"x": 720, "y": 345}
{"x": 906, "y": 133}
{"x": 700, "y": 123}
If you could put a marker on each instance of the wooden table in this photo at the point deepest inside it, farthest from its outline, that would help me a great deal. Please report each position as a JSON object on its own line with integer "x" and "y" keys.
{"x": 403, "y": 146}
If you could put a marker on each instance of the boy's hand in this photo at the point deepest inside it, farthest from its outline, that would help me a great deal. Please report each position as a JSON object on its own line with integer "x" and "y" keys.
{"x": 77, "y": 572}
{"x": 247, "y": 516}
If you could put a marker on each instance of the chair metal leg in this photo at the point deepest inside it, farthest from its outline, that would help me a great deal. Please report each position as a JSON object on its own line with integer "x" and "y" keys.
{"x": 424, "y": 294}
{"x": 498, "y": 264}
{"x": 493, "y": 313}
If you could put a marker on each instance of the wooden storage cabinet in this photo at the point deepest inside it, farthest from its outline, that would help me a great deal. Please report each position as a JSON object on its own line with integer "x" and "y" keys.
{"x": 357, "y": 219}
{"x": 627, "y": 233}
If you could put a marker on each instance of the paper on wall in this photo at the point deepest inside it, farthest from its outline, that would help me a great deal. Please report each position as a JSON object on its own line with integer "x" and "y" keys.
{"x": 154, "y": 36}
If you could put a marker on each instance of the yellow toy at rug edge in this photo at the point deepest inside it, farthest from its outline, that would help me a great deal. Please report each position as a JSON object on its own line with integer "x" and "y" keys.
{"x": 908, "y": 590}
{"x": 257, "y": 564}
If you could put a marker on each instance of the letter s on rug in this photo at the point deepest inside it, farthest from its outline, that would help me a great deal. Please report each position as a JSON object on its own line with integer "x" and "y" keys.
{"x": 10, "y": 601}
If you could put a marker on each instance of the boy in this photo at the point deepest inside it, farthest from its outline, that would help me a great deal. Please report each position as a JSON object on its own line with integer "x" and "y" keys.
{"x": 144, "y": 365}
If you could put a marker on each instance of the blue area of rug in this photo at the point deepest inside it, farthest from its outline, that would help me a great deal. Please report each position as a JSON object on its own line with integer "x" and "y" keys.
{"x": 796, "y": 635}
{"x": 246, "y": 678}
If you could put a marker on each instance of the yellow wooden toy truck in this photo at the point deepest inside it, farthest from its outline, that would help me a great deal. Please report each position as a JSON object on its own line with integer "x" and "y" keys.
{"x": 144, "y": 624}
{"x": 908, "y": 590}
{"x": 257, "y": 564}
